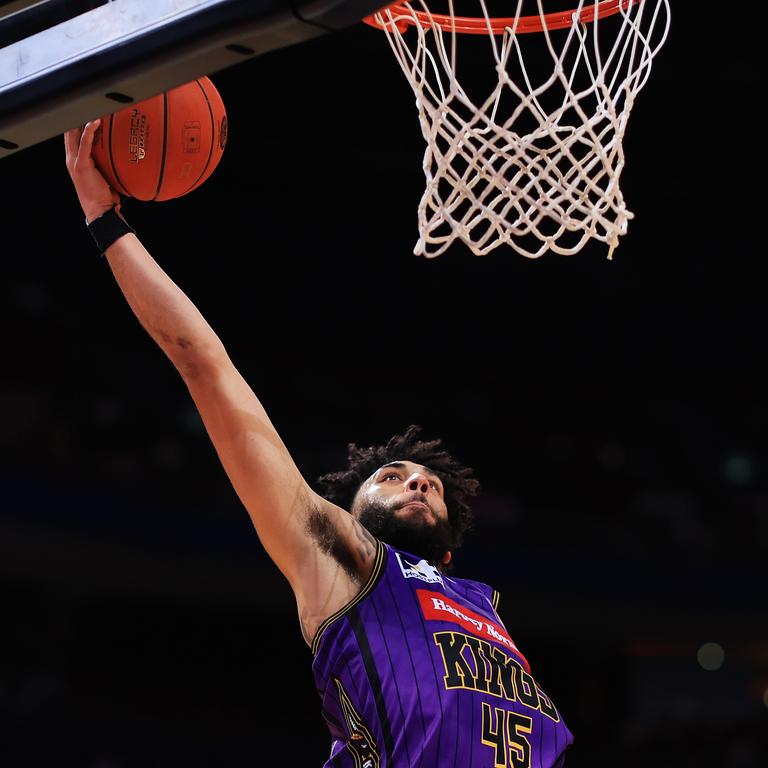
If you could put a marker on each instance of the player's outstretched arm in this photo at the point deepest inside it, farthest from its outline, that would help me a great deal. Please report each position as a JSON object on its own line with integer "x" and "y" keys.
{"x": 323, "y": 552}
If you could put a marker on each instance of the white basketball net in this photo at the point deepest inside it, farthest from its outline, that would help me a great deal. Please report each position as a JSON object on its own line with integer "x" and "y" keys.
{"x": 535, "y": 162}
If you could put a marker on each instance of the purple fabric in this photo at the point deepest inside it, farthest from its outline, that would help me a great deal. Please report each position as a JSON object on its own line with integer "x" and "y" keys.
{"x": 421, "y": 672}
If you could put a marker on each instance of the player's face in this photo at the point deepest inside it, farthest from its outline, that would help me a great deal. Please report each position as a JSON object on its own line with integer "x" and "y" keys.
{"x": 403, "y": 504}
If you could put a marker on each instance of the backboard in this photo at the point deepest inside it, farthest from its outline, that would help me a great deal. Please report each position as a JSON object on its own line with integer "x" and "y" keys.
{"x": 63, "y": 62}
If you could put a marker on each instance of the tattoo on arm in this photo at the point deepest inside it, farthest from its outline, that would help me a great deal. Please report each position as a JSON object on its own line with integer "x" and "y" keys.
{"x": 366, "y": 544}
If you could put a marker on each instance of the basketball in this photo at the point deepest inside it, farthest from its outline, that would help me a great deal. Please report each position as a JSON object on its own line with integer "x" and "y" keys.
{"x": 165, "y": 146}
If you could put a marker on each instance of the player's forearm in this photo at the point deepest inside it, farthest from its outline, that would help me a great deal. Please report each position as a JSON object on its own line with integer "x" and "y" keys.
{"x": 162, "y": 308}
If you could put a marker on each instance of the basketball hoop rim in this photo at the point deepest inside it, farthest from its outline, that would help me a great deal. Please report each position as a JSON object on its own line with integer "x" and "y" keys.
{"x": 499, "y": 25}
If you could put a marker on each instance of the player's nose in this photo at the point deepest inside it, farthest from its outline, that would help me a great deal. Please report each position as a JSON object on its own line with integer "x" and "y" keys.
{"x": 418, "y": 482}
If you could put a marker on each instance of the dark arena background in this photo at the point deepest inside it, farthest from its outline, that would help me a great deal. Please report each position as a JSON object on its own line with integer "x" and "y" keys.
{"x": 616, "y": 413}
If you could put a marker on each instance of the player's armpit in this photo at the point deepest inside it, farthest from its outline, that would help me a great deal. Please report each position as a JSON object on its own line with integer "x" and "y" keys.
{"x": 350, "y": 550}
{"x": 346, "y": 541}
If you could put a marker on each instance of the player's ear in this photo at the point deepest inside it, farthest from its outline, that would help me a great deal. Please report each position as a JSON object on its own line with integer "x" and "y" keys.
{"x": 446, "y": 558}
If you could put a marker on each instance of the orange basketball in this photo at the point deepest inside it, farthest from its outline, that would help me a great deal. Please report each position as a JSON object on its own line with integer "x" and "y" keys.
{"x": 166, "y": 146}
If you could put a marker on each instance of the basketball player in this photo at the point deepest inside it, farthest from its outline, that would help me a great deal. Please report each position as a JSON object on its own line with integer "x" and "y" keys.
{"x": 414, "y": 667}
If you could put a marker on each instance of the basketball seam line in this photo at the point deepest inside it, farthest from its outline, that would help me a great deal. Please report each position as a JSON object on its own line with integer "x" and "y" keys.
{"x": 165, "y": 144}
{"x": 213, "y": 141}
{"x": 112, "y": 157}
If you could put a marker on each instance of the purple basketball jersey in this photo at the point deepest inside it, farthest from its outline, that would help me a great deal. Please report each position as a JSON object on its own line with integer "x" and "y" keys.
{"x": 418, "y": 671}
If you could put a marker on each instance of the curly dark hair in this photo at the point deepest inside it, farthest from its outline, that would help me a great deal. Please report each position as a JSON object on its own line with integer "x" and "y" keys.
{"x": 458, "y": 481}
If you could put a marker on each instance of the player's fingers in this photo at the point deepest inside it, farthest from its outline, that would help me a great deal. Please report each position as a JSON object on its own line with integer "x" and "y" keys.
{"x": 86, "y": 140}
{"x": 71, "y": 143}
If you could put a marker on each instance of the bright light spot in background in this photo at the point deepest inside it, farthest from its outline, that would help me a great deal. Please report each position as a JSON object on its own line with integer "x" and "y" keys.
{"x": 711, "y": 656}
{"x": 738, "y": 470}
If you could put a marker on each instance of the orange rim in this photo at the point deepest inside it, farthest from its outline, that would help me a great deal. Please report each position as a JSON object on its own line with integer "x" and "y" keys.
{"x": 480, "y": 26}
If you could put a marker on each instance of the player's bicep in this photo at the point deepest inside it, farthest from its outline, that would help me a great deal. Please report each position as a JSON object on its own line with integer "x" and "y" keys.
{"x": 323, "y": 552}
{"x": 256, "y": 461}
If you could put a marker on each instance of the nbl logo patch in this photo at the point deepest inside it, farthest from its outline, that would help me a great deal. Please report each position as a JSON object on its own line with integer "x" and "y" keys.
{"x": 421, "y": 570}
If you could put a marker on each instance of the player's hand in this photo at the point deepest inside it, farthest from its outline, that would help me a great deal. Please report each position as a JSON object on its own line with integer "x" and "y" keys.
{"x": 93, "y": 191}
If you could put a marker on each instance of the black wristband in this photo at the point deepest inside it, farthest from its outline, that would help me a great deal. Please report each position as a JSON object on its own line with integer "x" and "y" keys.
{"x": 107, "y": 228}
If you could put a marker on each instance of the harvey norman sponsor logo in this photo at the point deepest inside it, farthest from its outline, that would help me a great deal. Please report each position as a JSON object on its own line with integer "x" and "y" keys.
{"x": 442, "y": 608}
{"x": 421, "y": 570}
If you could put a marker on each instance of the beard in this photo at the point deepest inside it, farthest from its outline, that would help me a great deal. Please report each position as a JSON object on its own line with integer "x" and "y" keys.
{"x": 415, "y": 536}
